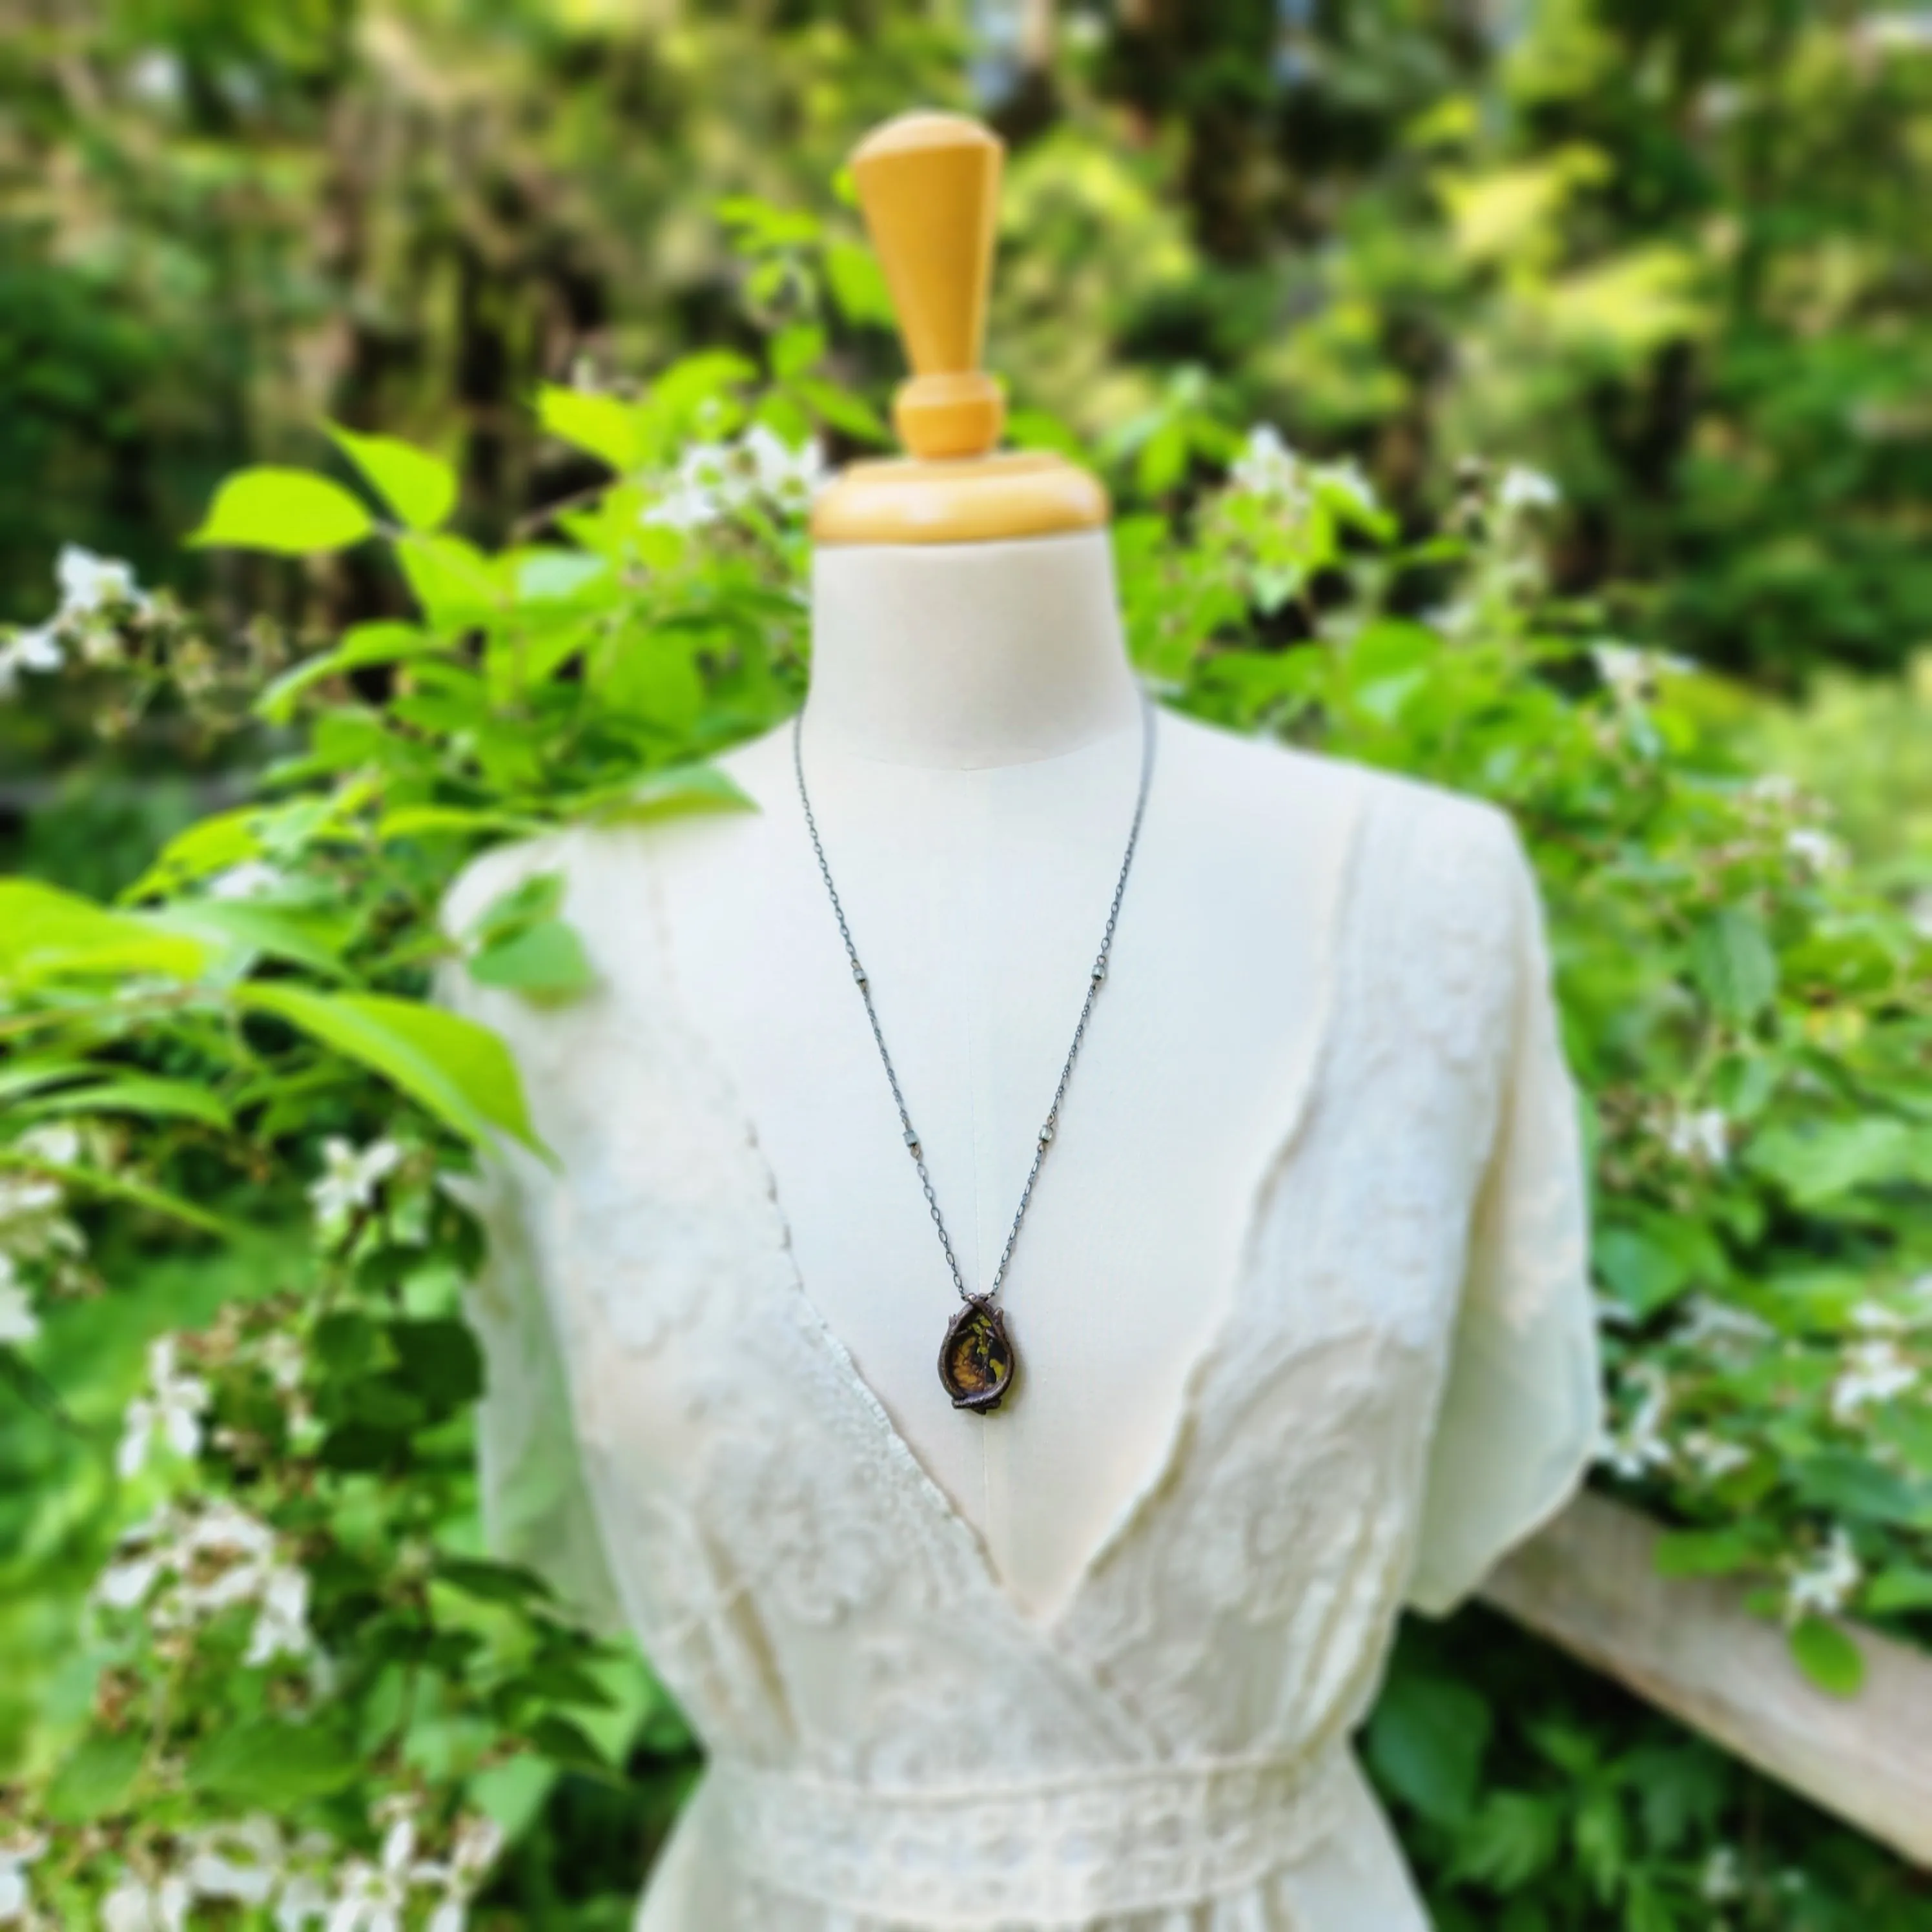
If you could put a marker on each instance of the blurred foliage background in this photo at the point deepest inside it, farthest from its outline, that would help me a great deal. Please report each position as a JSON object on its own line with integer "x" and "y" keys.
{"x": 1665, "y": 251}
{"x": 1671, "y": 253}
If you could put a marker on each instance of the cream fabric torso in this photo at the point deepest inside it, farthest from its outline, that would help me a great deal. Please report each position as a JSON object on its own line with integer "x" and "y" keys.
{"x": 1377, "y": 1367}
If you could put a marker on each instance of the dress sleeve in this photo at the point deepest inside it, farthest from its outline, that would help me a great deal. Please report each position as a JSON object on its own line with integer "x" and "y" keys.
{"x": 1522, "y": 1409}
{"x": 536, "y": 1504}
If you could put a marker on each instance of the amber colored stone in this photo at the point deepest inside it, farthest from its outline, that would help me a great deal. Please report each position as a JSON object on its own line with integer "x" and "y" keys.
{"x": 976, "y": 1360}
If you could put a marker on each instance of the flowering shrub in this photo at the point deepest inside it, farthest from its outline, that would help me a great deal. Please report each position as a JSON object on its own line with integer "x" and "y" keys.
{"x": 304, "y": 1693}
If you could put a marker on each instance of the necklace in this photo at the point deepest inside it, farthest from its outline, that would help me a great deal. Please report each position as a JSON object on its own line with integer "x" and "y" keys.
{"x": 976, "y": 1358}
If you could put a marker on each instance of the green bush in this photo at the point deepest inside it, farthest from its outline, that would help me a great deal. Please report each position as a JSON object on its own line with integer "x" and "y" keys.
{"x": 237, "y": 1452}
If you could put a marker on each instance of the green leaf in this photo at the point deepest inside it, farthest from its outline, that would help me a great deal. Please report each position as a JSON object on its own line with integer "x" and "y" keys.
{"x": 492, "y": 1583}
{"x": 600, "y": 425}
{"x": 97, "y": 1778}
{"x": 857, "y": 283}
{"x": 1513, "y": 1836}
{"x": 139, "y": 1094}
{"x": 544, "y": 962}
{"x": 211, "y": 844}
{"x": 665, "y": 793}
{"x": 118, "y": 1187}
{"x": 1733, "y": 964}
{"x": 1427, "y": 1740}
{"x": 1703, "y": 1553}
{"x": 521, "y": 906}
{"x": 452, "y": 579}
{"x": 438, "y": 1360}
{"x": 432, "y": 821}
{"x": 1826, "y": 1654}
{"x": 1894, "y": 1591}
{"x": 420, "y": 488}
{"x": 267, "y": 1763}
{"x": 1844, "y": 1482}
{"x": 565, "y": 1743}
{"x": 461, "y": 1072}
{"x": 290, "y": 512}
{"x": 362, "y": 647}
{"x": 248, "y": 931}
{"x": 549, "y": 574}
{"x": 28, "y": 1076}
{"x": 1817, "y": 1164}
{"x": 1641, "y": 1272}
{"x": 46, "y": 934}
{"x": 841, "y": 409}
{"x": 794, "y": 350}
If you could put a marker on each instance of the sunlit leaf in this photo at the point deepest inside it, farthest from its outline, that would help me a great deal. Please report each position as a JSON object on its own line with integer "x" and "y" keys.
{"x": 46, "y": 934}
{"x": 420, "y": 488}
{"x": 601, "y": 426}
{"x": 290, "y": 511}
{"x": 1827, "y": 1655}
{"x": 460, "y": 1071}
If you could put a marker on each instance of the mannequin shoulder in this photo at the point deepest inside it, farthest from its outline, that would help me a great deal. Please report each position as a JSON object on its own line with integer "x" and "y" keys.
{"x": 1282, "y": 789}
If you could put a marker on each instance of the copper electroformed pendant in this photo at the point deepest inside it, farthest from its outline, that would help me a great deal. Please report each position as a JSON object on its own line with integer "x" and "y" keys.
{"x": 976, "y": 1360}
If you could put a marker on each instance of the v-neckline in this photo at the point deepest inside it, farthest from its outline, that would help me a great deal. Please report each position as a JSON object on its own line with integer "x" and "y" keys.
{"x": 1164, "y": 1474}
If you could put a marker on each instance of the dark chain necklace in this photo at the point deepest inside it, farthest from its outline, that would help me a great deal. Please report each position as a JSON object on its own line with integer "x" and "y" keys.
{"x": 976, "y": 1361}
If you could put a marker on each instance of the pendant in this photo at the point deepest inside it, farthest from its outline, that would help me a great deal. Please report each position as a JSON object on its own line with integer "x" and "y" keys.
{"x": 976, "y": 1360}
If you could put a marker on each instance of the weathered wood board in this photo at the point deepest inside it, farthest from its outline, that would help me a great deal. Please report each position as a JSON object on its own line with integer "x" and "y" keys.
{"x": 1587, "y": 1582}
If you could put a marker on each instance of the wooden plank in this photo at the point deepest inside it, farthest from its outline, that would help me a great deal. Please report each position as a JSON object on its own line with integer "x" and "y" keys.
{"x": 1687, "y": 1645}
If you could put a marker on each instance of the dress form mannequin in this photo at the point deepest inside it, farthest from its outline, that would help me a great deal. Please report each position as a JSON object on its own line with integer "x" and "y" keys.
{"x": 972, "y": 741}
{"x": 1301, "y": 1304}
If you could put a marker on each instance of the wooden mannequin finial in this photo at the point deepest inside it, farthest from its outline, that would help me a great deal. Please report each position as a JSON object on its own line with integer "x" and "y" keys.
{"x": 929, "y": 185}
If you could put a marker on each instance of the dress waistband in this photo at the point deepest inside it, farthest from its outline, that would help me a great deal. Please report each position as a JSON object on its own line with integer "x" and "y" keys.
{"x": 961, "y": 1857}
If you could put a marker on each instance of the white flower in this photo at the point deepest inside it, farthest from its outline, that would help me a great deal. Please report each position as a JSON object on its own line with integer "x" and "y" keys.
{"x": 716, "y": 480}
{"x": 1816, "y": 851}
{"x": 304, "y": 1897}
{"x": 156, "y": 76}
{"x": 15, "y": 1856}
{"x": 1873, "y": 1371}
{"x": 57, "y": 1144}
{"x": 134, "y": 1906}
{"x": 1722, "y": 1880}
{"x": 1267, "y": 468}
{"x": 477, "y": 1846}
{"x": 251, "y": 879}
{"x": 88, "y": 583}
{"x": 1523, "y": 488}
{"x": 374, "y": 1897}
{"x": 787, "y": 477}
{"x": 242, "y": 1861}
{"x": 1347, "y": 477}
{"x": 209, "y": 1558}
{"x": 1631, "y": 673}
{"x": 1712, "y": 1455}
{"x": 1873, "y": 1318}
{"x": 1704, "y": 1322}
{"x": 281, "y": 1629}
{"x": 36, "y": 650}
{"x": 1455, "y": 618}
{"x": 1640, "y": 1445}
{"x": 173, "y": 1410}
{"x": 18, "y": 1322}
{"x": 1823, "y": 1586}
{"x": 1774, "y": 788}
{"x": 1904, "y": 31}
{"x": 350, "y": 1179}
{"x": 1702, "y": 1137}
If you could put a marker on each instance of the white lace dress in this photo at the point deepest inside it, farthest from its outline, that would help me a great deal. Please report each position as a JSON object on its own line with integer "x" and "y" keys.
{"x": 1405, "y": 1383}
